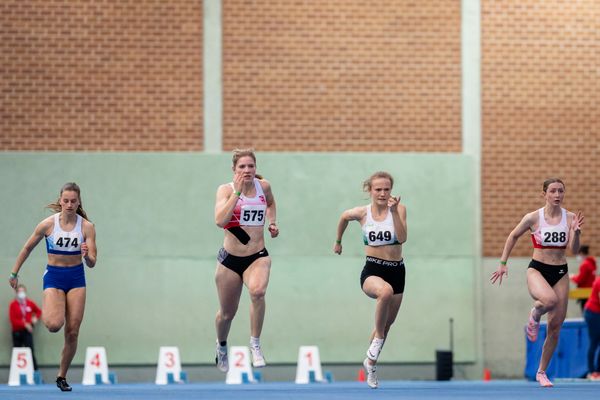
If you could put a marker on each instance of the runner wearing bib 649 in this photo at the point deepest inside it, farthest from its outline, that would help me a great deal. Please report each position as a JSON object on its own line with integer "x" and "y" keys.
{"x": 383, "y": 223}
{"x": 552, "y": 229}
{"x": 242, "y": 208}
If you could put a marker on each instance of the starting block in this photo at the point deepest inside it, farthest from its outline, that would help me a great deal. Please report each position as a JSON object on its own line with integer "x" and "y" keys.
{"x": 168, "y": 369}
{"x": 309, "y": 368}
{"x": 21, "y": 368}
{"x": 240, "y": 370}
{"x": 95, "y": 369}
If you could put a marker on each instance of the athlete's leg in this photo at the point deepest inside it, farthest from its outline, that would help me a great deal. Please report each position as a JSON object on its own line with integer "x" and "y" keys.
{"x": 556, "y": 317}
{"x": 229, "y": 289}
{"x": 393, "y": 309}
{"x": 544, "y": 300}
{"x": 256, "y": 279}
{"x": 75, "y": 306}
{"x": 53, "y": 309}
{"x": 378, "y": 289}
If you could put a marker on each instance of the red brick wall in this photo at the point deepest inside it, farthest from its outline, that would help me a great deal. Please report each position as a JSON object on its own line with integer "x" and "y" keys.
{"x": 101, "y": 75}
{"x": 342, "y": 75}
{"x": 334, "y": 75}
{"x": 541, "y": 113}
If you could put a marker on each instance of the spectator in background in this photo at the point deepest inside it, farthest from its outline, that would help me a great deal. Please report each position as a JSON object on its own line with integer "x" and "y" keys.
{"x": 24, "y": 314}
{"x": 587, "y": 271}
{"x": 591, "y": 314}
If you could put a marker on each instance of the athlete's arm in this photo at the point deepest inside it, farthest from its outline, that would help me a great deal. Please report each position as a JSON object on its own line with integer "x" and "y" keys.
{"x": 88, "y": 248}
{"x": 227, "y": 198}
{"x": 271, "y": 208}
{"x": 353, "y": 214}
{"x": 575, "y": 231}
{"x": 399, "y": 216}
{"x": 526, "y": 223}
{"x": 37, "y": 235}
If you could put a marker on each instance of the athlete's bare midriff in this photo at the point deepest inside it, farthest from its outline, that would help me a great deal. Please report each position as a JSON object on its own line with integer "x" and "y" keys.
{"x": 390, "y": 252}
{"x": 257, "y": 242}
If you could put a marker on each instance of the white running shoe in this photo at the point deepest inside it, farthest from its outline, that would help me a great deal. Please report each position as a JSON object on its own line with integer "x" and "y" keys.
{"x": 371, "y": 374}
{"x": 374, "y": 349}
{"x": 221, "y": 358}
{"x": 258, "y": 360}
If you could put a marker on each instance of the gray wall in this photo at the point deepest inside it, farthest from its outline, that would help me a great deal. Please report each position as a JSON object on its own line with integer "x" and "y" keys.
{"x": 153, "y": 284}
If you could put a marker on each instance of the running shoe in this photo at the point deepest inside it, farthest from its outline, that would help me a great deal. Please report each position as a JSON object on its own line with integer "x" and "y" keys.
{"x": 258, "y": 360}
{"x": 221, "y": 358}
{"x": 374, "y": 349}
{"x": 62, "y": 384}
{"x": 543, "y": 379}
{"x": 533, "y": 327}
{"x": 371, "y": 374}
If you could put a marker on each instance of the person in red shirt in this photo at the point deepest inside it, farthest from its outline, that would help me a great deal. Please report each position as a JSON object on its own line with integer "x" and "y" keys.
{"x": 23, "y": 314}
{"x": 591, "y": 314}
{"x": 587, "y": 271}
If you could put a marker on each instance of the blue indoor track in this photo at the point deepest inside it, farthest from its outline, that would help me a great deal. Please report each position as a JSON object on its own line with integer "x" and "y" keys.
{"x": 406, "y": 390}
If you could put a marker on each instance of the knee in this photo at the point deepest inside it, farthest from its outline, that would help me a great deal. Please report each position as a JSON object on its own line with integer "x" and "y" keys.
{"x": 554, "y": 329}
{"x": 385, "y": 294}
{"x": 550, "y": 302}
{"x": 53, "y": 326}
{"x": 227, "y": 315}
{"x": 72, "y": 335}
{"x": 257, "y": 294}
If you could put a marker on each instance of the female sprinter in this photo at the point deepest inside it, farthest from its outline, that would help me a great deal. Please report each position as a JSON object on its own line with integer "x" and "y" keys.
{"x": 241, "y": 208}
{"x": 383, "y": 224}
{"x": 70, "y": 238}
{"x": 552, "y": 229}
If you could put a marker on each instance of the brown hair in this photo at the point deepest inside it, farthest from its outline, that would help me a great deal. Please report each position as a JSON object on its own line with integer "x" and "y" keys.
{"x": 379, "y": 174}
{"x": 68, "y": 187}
{"x": 550, "y": 181}
{"x": 239, "y": 153}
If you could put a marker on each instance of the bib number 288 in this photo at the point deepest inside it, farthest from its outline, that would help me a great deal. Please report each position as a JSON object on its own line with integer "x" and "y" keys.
{"x": 555, "y": 237}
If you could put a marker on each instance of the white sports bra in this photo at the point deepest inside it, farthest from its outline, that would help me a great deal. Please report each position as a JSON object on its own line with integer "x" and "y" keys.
{"x": 379, "y": 233}
{"x": 62, "y": 242}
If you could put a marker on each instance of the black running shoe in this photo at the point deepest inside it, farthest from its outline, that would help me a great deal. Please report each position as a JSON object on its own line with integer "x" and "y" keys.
{"x": 62, "y": 384}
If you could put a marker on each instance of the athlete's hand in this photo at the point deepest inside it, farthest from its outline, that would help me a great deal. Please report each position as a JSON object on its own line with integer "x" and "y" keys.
{"x": 273, "y": 230}
{"x": 577, "y": 221}
{"x": 13, "y": 282}
{"x": 497, "y": 275}
{"x": 337, "y": 248}
{"x": 84, "y": 249}
{"x": 238, "y": 181}
{"x": 393, "y": 203}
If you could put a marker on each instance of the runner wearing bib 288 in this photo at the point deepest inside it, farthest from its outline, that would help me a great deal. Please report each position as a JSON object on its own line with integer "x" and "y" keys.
{"x": 383, "y": 223}
{"x": 552, "y": 229}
